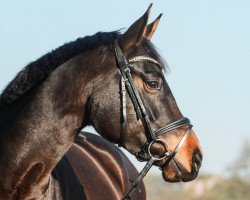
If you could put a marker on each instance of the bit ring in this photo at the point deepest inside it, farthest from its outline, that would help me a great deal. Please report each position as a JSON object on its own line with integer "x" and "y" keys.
{"x": 166, "y": 154}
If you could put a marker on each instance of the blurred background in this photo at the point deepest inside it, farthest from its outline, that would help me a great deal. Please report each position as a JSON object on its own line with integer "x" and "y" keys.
{"x": 207, "y": 46}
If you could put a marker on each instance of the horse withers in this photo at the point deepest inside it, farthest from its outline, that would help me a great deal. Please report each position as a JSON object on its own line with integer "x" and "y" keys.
{"x": 112, "y": 81}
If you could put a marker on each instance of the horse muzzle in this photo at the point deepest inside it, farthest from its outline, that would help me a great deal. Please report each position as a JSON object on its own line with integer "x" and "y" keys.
{"x": 174, "y": 171}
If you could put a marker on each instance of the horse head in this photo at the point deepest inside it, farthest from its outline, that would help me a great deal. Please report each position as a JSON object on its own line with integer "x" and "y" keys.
{"x": 147, "y": 121}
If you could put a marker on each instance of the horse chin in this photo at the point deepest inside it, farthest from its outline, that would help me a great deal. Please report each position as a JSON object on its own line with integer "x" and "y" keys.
{"x": 171, "y": 173}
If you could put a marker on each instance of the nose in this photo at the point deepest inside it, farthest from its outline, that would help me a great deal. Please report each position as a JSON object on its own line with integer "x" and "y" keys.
{"x": 197, "y": 158}
{"x": 196, "y": 164}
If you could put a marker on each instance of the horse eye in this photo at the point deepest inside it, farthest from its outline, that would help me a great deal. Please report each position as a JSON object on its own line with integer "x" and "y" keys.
{"x": 153, "y": 85}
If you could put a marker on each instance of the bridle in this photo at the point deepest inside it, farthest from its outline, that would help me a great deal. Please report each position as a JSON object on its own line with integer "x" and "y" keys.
{"x": 152, "y": 136}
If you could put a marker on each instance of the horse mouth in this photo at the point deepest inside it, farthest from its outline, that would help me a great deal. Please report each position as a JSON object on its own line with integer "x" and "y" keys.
{"x": 174, "y": 172}
{"x": 171, "y": 172}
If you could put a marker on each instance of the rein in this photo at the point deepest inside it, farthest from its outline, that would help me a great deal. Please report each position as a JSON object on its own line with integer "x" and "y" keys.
{"x": 152, "y": 136}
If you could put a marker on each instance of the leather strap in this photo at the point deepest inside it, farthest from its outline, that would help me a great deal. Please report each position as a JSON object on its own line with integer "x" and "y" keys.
{"x": 123, "y": 94}
{"x": 134, "y": 95}
{"x": 175, "y": 125}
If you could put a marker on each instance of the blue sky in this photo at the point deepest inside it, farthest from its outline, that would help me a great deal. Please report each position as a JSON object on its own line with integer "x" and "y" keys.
{"x": 206, "y": 44}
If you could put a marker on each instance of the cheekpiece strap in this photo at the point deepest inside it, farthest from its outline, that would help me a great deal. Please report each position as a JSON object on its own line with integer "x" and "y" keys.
{"x": 134, "y": 95}
{"x": 125, "y": 72}
{"x": 123, "y": 93}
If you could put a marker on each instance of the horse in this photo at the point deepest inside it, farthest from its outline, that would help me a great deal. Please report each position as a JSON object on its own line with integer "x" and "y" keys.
{"x": 105, "y": 170}
{"x": 85, "y": 82}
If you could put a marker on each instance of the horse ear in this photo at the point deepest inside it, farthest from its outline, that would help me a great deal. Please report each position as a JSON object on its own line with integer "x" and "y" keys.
{"x": 151, "y": 28}
{"x": 134, "y": 35}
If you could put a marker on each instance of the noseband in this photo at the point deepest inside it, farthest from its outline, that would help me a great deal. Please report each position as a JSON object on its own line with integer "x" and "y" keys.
{"x": 152, "y": 136}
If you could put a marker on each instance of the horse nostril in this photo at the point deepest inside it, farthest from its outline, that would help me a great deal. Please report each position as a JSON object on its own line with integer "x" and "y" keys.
{"x": 197, "y": 158}
{"x": 195, "y": 167}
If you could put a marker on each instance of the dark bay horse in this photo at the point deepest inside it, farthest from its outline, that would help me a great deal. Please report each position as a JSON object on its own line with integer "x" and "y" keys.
{"x": 85, "y": 83}
{"x": 105, "y": 172}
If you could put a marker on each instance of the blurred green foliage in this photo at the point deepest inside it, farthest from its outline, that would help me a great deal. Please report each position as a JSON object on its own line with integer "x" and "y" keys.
{"x": 230, "y": 189}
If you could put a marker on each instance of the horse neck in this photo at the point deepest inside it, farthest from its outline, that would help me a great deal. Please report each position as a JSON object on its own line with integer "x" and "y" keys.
{"x": 40, "y": 127}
